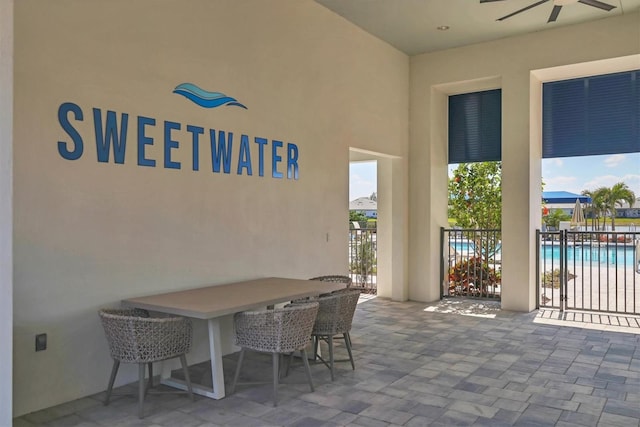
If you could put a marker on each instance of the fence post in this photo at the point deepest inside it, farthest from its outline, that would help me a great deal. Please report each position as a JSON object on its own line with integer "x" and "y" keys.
{"x": 563, "y": 268}
{"x": 442, "y": 263}
{"x": 538, "y": 269}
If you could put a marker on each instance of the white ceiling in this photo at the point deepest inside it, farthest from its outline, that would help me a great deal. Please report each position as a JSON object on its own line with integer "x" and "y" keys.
{"x": 411, "y": 25}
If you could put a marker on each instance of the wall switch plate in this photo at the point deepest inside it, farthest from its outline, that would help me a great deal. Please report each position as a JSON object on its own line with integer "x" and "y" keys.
{"x": 41, "y": 342}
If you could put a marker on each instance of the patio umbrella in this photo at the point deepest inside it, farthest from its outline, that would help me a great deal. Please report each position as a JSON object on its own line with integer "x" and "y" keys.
{"x": 578, "y": 214}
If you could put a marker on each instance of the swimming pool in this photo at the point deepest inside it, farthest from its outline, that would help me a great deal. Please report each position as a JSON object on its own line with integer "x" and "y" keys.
{"x": 607, "y": 254}
{"x": 550, "y": 254}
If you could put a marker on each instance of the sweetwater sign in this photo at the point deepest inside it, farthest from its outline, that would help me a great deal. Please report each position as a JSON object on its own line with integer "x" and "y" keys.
{"x": 111, "y": 135}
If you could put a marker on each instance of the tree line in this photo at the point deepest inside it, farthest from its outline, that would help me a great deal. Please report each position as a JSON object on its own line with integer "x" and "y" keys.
{"x": 605, "y": 201}
{"x": 475, "y": 199}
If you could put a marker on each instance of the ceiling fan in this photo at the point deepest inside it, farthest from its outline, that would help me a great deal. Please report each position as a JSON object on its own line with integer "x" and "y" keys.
{"x": 557, "y": 7}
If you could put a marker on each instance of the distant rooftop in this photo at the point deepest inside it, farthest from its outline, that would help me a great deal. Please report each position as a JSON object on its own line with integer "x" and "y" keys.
{"x": 363, "y": 204}
{"x": 563, "y": 197}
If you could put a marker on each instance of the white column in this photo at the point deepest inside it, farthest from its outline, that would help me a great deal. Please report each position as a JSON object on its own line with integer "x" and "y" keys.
{"x": 6, "y": 209}
{"x": 521, "y": 195}
{"x": 392, "y": 235}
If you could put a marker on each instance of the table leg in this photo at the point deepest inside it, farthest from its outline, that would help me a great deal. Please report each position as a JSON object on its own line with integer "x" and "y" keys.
{"x": 217, "y": 374}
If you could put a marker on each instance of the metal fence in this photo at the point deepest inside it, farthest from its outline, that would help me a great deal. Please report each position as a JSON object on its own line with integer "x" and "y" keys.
{"x": 471, "y": 263}
{"x": 363, "y": 259}
{"x": 576, "y": 270}
{"x": 589, "y": 270}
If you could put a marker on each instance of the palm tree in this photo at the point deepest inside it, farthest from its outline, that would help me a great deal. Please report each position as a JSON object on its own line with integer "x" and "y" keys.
{"x": 590, "y": 209}
{"x": 599, "y": 199}
{"x": 618, "y": 194}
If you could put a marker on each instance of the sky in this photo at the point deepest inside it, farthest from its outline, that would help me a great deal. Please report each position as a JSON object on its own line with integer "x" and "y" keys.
{"x": 573, "y": 174}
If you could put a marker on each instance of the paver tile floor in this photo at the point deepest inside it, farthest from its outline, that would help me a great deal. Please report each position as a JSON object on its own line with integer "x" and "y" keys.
{"x": 451, "y": 363}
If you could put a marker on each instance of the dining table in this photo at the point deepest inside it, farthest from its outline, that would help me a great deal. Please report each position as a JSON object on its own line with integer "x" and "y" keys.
{"x": 213, "y": 302}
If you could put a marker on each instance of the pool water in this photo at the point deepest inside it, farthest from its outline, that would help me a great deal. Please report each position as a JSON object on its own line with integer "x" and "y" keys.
{"x": 612, "y": 254}
{"x": 550, "y": 254}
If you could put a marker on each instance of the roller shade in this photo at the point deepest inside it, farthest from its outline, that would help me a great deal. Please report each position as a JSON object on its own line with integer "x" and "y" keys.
{"x": 591, "y": 115}
{"x": 475, "y": 127}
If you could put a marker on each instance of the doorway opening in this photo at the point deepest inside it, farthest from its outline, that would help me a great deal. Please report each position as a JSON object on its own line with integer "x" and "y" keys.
{"x": 363, "y": 221}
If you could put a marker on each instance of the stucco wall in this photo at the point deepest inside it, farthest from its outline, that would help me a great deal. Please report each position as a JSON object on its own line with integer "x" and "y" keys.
{"x": 506, "y": 63}
{"x": 88, "y": 233}
{"x": 6, "y": 209}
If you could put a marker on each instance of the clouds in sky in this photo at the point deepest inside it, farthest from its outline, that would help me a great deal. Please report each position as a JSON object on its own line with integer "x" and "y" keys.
{"x": 613, "y": 161}
{"x": 576, "y": 174}
{"x": 573, "y": 174}
{"x": 362, "y": 179}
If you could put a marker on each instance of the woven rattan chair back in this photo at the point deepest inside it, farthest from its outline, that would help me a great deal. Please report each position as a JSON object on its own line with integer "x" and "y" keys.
{"x": 335, "y": 314}
{"x": 335, "y": 278}
{"x": 278, "y": 331}
{"x": 135, "y": 337}
{"x": 335, "y": 317}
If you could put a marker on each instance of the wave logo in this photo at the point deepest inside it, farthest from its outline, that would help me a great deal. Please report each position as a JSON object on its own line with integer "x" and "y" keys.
{"x": 205, "y": 98}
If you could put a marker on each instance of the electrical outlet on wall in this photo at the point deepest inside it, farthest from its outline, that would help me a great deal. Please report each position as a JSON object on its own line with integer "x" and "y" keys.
{"x": 41, "y": 342}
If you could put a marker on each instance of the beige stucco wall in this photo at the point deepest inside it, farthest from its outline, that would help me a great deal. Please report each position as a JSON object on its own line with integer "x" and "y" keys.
{"x": 505, "y": 63}
{"x": 6, "y": 210}
{"x": 87, "y": 234}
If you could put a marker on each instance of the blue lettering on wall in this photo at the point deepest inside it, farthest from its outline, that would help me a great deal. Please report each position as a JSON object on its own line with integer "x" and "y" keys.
{"x": 220, "y": 151}
{"x": 144, "y": 140}
{"x": 111, "y": 133}
{"x": 275, "y": 159}
{"x": 78, "y": 146}
{"x": 292, "y": 161}
{"x": 170, "y": 144}
{"x": 196, "y": 131}
{"x": 244, "y": 158}
{"x": 110, "y": 136}
{"x": 261, "y": 143}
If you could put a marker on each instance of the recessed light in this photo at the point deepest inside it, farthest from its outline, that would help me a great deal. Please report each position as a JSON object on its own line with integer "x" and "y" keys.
{"x": 442, "y": 28}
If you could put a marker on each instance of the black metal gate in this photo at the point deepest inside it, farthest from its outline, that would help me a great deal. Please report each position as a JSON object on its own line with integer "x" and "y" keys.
{"x": 589, "y": 270}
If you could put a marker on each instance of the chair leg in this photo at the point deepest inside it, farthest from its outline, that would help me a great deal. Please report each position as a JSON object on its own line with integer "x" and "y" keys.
{"x": 316, "y": 342}
{"x": 185, "y": 368}
{"x": 112, "y": 378}
{"x": 141, "y": 390}
{"x": 330, "y": 342}
{"x": 286, "y": 372}
{"x": 237, "y": 374}
{"x": 307, "y": 368}
{"x": 347, "y": 342}
{"x": 150, "y": 377}
{"x": 276, "y": 377}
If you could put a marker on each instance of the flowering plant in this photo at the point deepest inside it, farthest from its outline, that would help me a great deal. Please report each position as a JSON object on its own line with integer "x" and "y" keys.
{"x": 473, "y": 276}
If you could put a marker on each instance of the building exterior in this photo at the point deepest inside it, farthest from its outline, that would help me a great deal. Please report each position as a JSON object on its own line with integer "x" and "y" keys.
{"x": 365, "y": 205}
{"x": 119, "y": 179}
{"x": 626, "y": 211}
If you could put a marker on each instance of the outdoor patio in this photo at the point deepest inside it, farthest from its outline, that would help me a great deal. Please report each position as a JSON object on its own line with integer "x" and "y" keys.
{"x": 457, "y": 362}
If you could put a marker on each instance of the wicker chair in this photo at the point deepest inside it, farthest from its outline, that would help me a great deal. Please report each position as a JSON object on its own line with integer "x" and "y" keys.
{"x": 335, "y": 316}
{"x": 277, "y": 331}
{"x": 335, "y": 278}
{"x": 332, "y": 278}
{"x": 134, "y": 337}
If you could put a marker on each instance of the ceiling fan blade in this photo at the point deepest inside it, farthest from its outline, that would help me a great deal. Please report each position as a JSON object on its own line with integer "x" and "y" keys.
{"x": 522, "y": 10}
{"x": 598, "y": 4}
{"x": 554, "y": 13}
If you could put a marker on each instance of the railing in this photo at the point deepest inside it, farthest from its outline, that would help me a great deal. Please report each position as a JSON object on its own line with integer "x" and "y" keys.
{"x": 577, "y": 270}
{"x": 471, "y": 263}
{"x": 363, "y": 260}
{"x": 589, "y": 270}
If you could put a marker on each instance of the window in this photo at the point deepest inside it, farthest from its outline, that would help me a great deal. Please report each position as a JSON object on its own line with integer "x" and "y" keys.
{"x": 475, "y": 127}
{"x": 591, "y": 115}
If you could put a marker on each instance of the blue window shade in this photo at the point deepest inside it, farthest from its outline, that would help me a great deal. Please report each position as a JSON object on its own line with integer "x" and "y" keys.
{"x": 591, "y": 115}
{"x": 475, "y": 127}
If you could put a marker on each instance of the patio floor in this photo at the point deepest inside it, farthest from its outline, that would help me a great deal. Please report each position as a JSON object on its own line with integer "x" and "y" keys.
{"x": 456, "y": 362}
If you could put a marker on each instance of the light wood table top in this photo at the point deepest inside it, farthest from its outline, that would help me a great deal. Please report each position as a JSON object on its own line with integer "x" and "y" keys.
{"x": 218, "y": 300}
